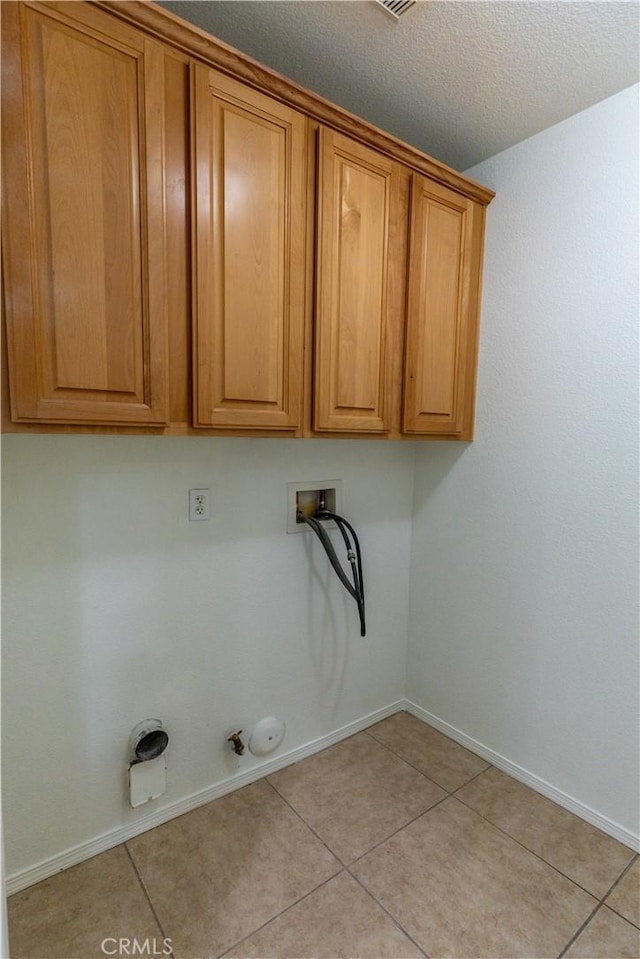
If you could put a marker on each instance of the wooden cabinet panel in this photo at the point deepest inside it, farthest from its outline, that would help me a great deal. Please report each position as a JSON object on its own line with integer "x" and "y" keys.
{"x": 250, "y": 227}
{"x": 441, "y": 310}
{"x": 357, "y": 196}
{"x": 84, "y": 231}
{"x": 158, "y": 217}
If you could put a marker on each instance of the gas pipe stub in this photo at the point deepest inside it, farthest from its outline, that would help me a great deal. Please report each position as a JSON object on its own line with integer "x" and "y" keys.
{"x": 266, "y": 736}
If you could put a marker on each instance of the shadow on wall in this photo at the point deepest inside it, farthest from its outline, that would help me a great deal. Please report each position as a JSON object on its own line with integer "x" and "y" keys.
{"x": 437, "y": 462}
{"x": 328, "y": 616}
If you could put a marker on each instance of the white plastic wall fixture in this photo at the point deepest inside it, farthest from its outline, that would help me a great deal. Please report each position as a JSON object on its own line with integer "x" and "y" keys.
{"x": 304, "y": 486}
{"x": 266, "y": 736}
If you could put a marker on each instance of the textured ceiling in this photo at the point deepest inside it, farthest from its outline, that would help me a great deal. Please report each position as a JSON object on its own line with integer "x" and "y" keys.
{"x": 460, "y": 80}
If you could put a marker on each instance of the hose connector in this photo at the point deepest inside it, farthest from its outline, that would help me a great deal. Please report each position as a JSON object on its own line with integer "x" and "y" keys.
{"x": 238, "y": 745}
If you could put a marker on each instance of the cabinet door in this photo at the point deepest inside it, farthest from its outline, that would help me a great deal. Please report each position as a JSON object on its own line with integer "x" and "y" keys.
{"x": 250, "y": 227}
{"x": 442, "y": 306}
{"x": 83, "y": 224}
{"x": 357, "y": 195}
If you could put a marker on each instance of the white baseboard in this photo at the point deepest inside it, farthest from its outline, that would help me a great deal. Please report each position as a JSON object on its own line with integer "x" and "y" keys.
{"x": 86, "y": 850}
{"x": 585, "y": 812}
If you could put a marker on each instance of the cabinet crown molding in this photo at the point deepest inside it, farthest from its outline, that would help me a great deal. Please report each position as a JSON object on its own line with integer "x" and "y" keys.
{"x": 198, "y": 44}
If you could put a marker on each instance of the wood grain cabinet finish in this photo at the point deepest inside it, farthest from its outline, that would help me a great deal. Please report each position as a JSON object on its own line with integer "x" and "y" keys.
{"x": 323, "y": 277}
{"x": 357, "y": 197}
{"x": 250, "y": 230}
{"x": 442, "y": 310}
{"x": 83, "y": 225}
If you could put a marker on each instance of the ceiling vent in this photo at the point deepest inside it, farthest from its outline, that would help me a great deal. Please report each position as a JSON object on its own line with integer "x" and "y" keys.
{"x": 396, "y": 7}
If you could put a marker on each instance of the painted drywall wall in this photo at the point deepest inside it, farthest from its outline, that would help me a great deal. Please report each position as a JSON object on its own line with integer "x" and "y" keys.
{"x": 524, "y": 575}
{"x": 116, "y": 609}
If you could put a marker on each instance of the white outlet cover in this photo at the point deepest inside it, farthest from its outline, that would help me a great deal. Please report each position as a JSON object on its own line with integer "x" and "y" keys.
{"x": 267, "y": 735}
{"x": 199, "y": 505}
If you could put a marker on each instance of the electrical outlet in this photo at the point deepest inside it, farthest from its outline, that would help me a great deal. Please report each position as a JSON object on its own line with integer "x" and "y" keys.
{"x": 199, "y": 504}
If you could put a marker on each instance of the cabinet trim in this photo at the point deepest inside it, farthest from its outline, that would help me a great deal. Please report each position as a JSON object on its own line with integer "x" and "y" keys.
{"x": 199, "y": 44}
{"x": 243, "y": 381}
{"x": 353, "y": 343}
{"x": 442, "y": 323}
{"x": 39, "y": 389}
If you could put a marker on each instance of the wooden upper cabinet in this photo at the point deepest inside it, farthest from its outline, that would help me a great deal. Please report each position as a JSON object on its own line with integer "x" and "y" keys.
{"x": 126, "y": 135}
{"x": 83, "y": 225}
{"x": 357, "y": 202}
{"x": 442, "y": 310}
{"x": 250, "y": 265}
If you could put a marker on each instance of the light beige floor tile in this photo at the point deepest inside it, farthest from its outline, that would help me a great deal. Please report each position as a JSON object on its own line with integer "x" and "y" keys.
{"x": 438, "y": 757}
{"x": 461, "y": 888}
{"x": 71, "y": 914}
{"x": 607, "y": 936}
{"x": 625, "y": 898}
{"x": 337, "y": 921}
{"x": 220, "y": 872}
{"x": 355, "y": 794}
{"x": 579, "y": 850}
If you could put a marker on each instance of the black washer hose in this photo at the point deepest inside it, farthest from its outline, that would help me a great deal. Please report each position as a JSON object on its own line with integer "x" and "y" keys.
{"x": 356, "y": 591}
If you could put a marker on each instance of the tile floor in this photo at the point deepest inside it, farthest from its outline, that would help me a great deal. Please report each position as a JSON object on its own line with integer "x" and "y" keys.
{"x": 393, "y": 844}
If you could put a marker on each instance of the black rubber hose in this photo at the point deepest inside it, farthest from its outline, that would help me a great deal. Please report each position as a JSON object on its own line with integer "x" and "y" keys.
{"x": 356, "y": 591}
{"x": 323, "y": 536}
{"x": 341, "y": 522}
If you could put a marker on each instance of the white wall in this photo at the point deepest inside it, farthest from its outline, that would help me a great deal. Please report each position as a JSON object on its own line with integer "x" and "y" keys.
{"x": 116, "y": 609}
{"x": 523, "y": 622}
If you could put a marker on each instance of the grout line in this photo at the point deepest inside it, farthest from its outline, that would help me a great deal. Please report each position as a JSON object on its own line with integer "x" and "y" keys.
{"x": 319, "y": 886}
{"x": 532, "y": 851}
{"x": 347, "y": 868}
{"x": 410, "y": 764}
{"x": 304, "y": 821}
{"x": 624, "y": 872}
{"x": 454, "y": 792}
{"x": 621, "y": 877}
{"x": 279, "y": 914}
{"x": 148, "y": 898}
{"x": 396, "y": 831}
{"x": 578, "y": 931}
{"x": 473, "y": 778}
{"x": 391, "y": 916}
{"x": 525, "y": 776}
{"x": 347, "y": 865}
